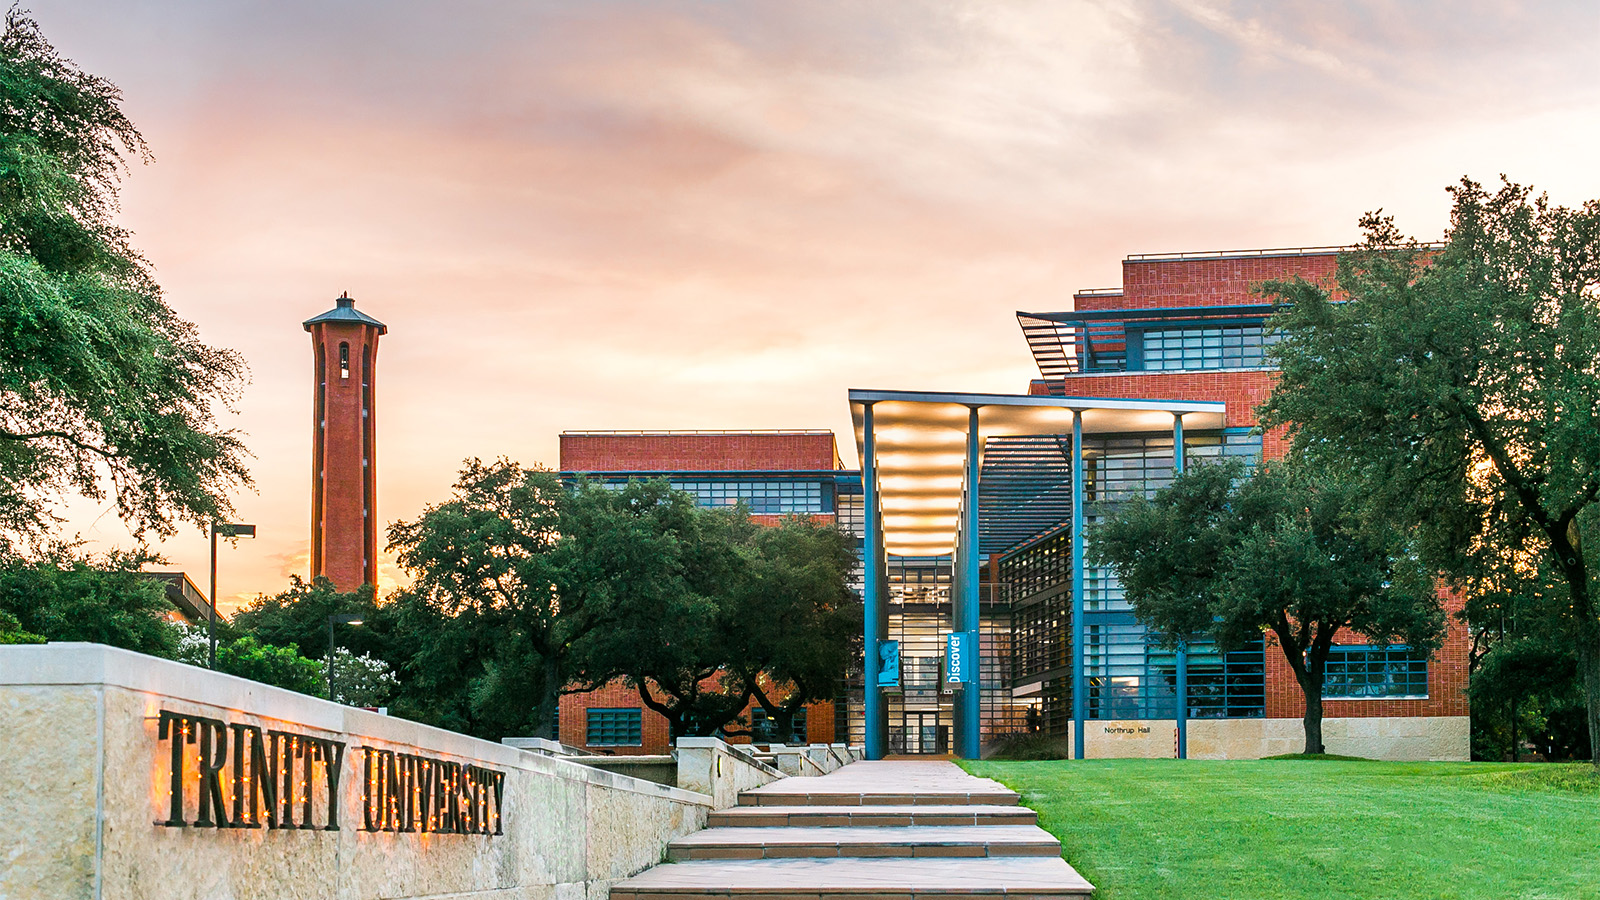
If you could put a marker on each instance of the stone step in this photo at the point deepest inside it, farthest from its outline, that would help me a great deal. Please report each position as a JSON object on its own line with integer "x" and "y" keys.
{"x": 762, "y": 797}
{"x": 989, "y": 878}
{"x": 882, "y": 783}
{"x": 810, "y": 816}
{"x": 915, "y": 841}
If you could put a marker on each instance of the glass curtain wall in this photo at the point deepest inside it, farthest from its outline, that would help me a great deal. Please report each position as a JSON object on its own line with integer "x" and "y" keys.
{"x": 1130, "y": 675}
{"x": 921, "y": 713}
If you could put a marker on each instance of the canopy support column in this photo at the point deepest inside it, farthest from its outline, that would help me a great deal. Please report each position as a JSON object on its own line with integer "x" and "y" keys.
{"x": 968, "y": 705}
{"x": 1080, "y": 690}
{"x": 875, "y": 713}
{"x": 1183, "y": 643}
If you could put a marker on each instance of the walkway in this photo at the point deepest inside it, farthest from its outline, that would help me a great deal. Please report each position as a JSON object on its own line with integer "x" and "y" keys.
{"x": 891, "y": 830}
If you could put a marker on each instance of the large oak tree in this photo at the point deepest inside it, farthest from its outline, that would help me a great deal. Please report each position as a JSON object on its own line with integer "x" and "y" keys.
{"x": 100, "y": 381}
{"x": 1287, "y": 551}
{"x": 1463, "y": 383}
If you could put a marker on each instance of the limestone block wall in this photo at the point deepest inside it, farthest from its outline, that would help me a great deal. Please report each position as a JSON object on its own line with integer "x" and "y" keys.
{"x": 710, "y": 766}
{"x": 85, "y": 781}
{"x": 1373, "y": 737}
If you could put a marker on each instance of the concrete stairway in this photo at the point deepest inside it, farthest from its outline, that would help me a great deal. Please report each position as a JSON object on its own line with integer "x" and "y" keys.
{"x": 895, "y": 830}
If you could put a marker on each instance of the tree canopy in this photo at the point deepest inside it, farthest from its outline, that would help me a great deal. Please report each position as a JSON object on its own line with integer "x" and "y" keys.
{"x": 100, "y": 380}
{"x": 799, "y": 621}
{"x": 516, "y": 572}
{"x": 754, "y": 613}
{"x": 64, "y": 596}
{"x": 1287, "y": 551}
{"x": 527, "y": 588}
{"x": 1462, "y": 384}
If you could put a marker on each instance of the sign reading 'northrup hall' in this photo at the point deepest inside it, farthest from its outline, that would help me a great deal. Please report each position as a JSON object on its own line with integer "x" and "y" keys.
{"x": 285, "y": 780}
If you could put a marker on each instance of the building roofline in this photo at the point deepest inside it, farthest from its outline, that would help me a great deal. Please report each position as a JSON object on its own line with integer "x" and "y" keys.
{"x": 1256, "y": 254}
{"x": 344, "y": 312}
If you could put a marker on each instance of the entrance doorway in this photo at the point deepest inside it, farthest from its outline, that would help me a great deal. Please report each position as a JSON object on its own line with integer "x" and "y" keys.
{"x": 922, "y": 734}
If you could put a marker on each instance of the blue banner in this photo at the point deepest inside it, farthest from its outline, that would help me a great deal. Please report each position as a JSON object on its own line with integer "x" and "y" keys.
{"x": 888, "y": 664}
{"x": 960, "y": 657}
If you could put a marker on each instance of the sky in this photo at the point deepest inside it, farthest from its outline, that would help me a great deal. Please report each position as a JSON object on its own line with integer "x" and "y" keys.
{"x": 627, "y": 214}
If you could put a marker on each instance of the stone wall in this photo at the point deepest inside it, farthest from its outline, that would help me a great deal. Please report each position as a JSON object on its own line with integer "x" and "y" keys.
{"x": 85, "y": 795}
{"x": 1373, "y": 737}
{"x": 710, "y": 766}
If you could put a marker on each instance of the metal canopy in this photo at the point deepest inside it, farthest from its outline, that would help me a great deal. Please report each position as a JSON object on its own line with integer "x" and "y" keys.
{"x": 921, "y": 447}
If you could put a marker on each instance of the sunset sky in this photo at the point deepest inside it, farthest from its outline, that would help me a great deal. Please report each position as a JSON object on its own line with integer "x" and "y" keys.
{"x": 718, "y": 214}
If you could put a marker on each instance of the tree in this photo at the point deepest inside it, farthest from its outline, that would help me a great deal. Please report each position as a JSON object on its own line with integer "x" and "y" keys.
{"x": 102, "y": 600}
{"x": 1286, "y": 551}
{"x": 1461, "y": 383}
{"x": 656, "y": 564}
{"x": 800, "y": 621}
{"x": 298, "y": 617}
{"x": 247, "y": 657}
{"x": 489, "y": 581}
{"x": 361, "y": 680}
{"x": 731, "y": 612}
{"x": 1529, "y": 686}
{"x": 11, "y": 631}
{"x": 100, "y": 381}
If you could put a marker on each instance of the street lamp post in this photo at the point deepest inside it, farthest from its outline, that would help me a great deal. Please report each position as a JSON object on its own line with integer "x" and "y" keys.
{"x": 337, "y": 619}
{"x": 227, "y": 530}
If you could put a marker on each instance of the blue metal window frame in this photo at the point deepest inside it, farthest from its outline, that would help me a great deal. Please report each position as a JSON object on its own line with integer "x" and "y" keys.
{"x": 1139, "y": 334}
{"x": 1375, "y": 672}
{"x": 603, "y": 722}
{"x": 765, "y": 493}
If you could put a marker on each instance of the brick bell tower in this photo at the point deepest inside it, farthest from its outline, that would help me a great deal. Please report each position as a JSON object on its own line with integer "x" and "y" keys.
{"x": 344, "y": 489}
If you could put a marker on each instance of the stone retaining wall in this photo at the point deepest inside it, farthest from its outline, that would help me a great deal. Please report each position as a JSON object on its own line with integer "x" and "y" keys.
{"x": 86, "y": 811}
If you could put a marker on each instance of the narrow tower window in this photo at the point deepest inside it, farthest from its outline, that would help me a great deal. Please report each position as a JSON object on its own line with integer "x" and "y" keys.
{"x": 344, "y": 360}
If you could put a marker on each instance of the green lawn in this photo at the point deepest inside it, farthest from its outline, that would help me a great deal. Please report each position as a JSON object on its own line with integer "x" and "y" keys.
{"x": 1314, "y": 829}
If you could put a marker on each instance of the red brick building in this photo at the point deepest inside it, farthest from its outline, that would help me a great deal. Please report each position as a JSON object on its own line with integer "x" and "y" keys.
{"x": 775, "y": 473}
{"x": 1188, "y": 326}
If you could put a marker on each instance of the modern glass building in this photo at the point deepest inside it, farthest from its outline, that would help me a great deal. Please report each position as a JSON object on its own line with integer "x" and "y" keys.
{"x": 982, "y": 617}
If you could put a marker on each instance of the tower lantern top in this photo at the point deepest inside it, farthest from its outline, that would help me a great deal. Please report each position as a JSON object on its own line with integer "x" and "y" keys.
{"x": 344, "y": 310}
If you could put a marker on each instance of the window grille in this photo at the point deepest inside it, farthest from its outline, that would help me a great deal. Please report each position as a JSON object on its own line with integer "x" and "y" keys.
{"x": 1358, "y": 671}
{"x": 614, "y": 728}
{"x": 764, "y": 498}
{"x": 1206, "y": 347}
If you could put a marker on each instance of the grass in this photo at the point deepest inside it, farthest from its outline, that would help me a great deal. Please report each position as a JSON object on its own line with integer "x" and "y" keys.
{"x": 1317, "y": 829}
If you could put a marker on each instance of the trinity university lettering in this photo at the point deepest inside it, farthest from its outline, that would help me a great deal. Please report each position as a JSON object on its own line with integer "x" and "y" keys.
{"x": 273, "y": 775}
{"x": 409, "y": 793}
{"x": 242, "y": 776}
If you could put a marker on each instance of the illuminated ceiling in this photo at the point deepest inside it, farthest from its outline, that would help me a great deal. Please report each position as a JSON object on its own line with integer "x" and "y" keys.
{"x": 921, "y": 444}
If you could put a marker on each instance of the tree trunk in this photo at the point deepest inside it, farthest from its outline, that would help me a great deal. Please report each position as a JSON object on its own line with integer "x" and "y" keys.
{"x": 1513, "y": 721}
{"x": 1589, "y": 666}
{"x": 1313, "y": 720}
{"x": 782, "y": 723}
{"x": 549, "y": 702}
{"x": 1311, "y": 686}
